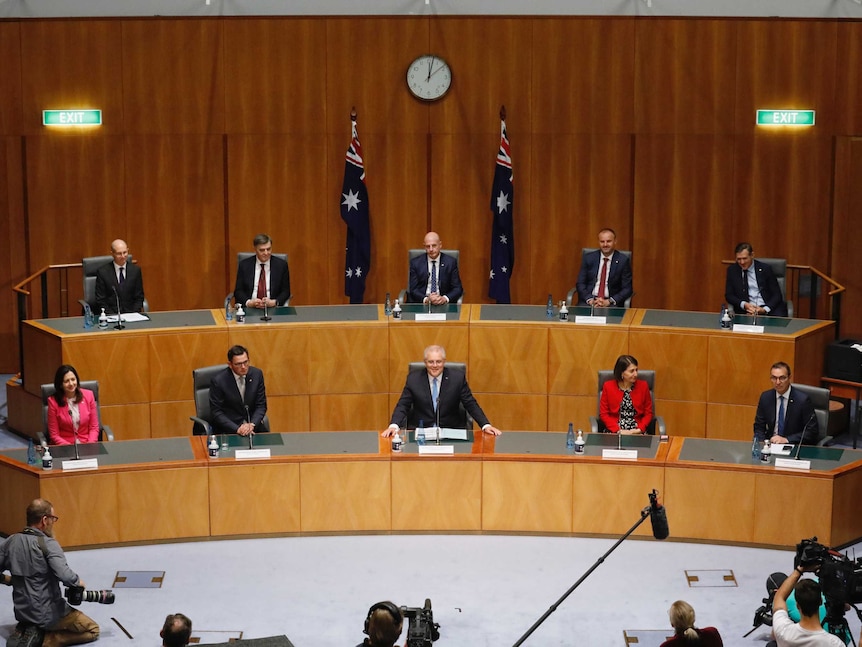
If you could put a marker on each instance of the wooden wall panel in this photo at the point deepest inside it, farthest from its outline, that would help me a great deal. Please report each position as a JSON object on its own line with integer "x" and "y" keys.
{"x": 173, "y": 76}
{"x": 667, "y": 170}
{"x": 274, "y": 81}
{"x": 13, "y": 250}
{"x": 10, "y": 78}
{"x": 684, "y": 76}
{"x": 583, "y": 71}
{"x": 845, "y": 238}
{"x": 175, "y": 210}
{"x": 72, "y": 64}
{"x": 848, "y": 84}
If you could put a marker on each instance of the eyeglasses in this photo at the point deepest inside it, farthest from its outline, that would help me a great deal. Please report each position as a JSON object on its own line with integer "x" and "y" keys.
{"x": 52, "y": 518}
{"x": 779, "y": 378}
{"x": 238, "y": 364}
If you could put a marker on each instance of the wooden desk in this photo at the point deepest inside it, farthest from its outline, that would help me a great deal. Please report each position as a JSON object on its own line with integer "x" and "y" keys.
{"x": 851, "y": 391}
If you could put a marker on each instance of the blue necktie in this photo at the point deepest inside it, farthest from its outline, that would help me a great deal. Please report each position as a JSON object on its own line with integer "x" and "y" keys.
{"x": 122, "y": 276}
{"x": 781, "y": 415}
{"x": 434, "y": 392}
{"x": 434, "y": 278}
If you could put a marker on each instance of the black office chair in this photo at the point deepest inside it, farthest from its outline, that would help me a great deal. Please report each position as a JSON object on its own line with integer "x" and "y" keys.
{"x": 779, "y": 269}
{"x": 240, "y": 257}
{"x": 202, "y": 378}
{"x": 572, "y": 296}
{"x": 819, "y": 397}
{"x": 413, "y": 253}
{"x": 90, "y": 265}
{"x": 462, "y": 412}
{"x": 48, "y": 391}
{"x": 657, "y": 424}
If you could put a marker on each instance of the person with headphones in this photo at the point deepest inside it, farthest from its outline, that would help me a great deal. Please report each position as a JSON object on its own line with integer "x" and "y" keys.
{"x": 383, "y": 625}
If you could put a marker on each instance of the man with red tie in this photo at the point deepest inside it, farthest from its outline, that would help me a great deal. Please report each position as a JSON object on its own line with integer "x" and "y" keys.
{"x": 605, "y": 279}
{"x": 262, "y": 278}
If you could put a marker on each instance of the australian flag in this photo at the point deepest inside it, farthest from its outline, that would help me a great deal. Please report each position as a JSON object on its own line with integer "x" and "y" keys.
{"x": 354, "y": 212}
{"x": 502, "y": 234}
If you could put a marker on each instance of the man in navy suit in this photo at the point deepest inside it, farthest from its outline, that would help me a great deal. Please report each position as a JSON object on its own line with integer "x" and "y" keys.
{"x": 751, "y": 286}
{"x": 122, "y": 276}
{"x": 605, "y": 279}
{"x": 451, "y": 389}
{"x": 274, "y": 289}
{"x": 238, "y": 396}
{"x": 434, "y": 277}
{"x": 799, "y": 423}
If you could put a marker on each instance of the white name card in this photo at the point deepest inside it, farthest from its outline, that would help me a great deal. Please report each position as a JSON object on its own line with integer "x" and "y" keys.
{"x": 789, "y": 463}
{"x": 430, "y": 316}
{"x": 747, "y": 328}
{"x": 432, "y": 450}
{"x": 590, "y": 319}
{"x": 81, "y": 464}
{"x": 625, "y": 454}
{"x": 246, "y": 454}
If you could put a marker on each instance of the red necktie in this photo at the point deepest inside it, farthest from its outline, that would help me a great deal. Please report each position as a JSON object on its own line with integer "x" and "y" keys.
{"x": 261, "y": 283}
{"x": 604, "y": 279}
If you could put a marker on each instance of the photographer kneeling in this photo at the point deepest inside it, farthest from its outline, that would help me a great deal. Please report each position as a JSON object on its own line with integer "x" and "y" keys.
{"x": 37, "y": 566}
{"x": 383, "y": 625}
{"x": 809, "y": 632}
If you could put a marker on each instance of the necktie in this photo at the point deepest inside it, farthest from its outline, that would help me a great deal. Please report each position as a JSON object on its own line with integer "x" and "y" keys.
{"x": 781, "y": 415}
{"x": 603, "y": 279}
{"x": 433, "y": 276}
{"x": 240, "y": 383}
{"x": 122, "y": 275}
{"x": 745, "y": 285}
{"x": 261, "y": 283}
{"x": 434, "y": 392}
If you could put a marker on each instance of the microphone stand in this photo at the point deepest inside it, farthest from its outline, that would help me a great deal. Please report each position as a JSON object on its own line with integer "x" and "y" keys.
{"x": 437, "y": 411}
{"x": 248, "y": 419}
{"x": 644, "y": 514}
{"x": 799, "y": 446}
{"x": 119, "y": 325}
{"x": 77, "y": 455}
{"x": 265, "y": 316}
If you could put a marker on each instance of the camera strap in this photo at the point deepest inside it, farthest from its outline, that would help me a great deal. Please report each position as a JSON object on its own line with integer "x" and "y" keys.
{"x": 39, "y": 538}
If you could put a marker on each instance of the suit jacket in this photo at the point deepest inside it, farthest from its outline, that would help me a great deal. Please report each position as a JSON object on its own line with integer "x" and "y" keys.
{"x": 736, "y": 290}
{"x": 279, "y": 280}
{"x": 800, "y": 421}
{"x": 416, "y": 404}
{"x": 131, "y": 292}
{"x": 448, "y": 278}
{"x": 612, "y": 398}
{"x": 61, "y": 431}
{"x": 228, "y": 409}
{"x": 619, "y": 277}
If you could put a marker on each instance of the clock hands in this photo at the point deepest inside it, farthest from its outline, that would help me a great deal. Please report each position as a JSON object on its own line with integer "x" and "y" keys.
{"x": 430, "y": 65}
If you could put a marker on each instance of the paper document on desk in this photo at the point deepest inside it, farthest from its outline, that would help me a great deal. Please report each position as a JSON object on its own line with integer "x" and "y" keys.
{"x": 782, "y": 449}
{"x": 129, "y": 317}
{"x": 452, "y": 434}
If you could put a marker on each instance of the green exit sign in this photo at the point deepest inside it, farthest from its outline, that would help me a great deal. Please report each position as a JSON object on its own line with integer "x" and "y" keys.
{"x": 72, "y": 117}
{"x": 785, "y": 117}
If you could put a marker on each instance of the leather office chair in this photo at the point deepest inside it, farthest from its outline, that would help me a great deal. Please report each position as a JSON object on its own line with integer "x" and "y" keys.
{"x": 90, "y": 265}
{"x": 462, "y": 412}
{"x": 240, "y": 257}
{"x": 48, "y": 391}
{"x": 202, "y": 378}
{"x": 819, "y": 397}
{"x": 572, "y": 296}
{"x": 779, "y": 268}
{"x": 657, "y": 424}
{"x": 413, "y": 253}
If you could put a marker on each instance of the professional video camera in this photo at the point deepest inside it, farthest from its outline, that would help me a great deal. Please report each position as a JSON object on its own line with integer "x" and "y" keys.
{"x": 77, "y": 594}
{"x": 763, "y": 616}
{"x": 421, "y": 629}
{"x": 840, "y": 577}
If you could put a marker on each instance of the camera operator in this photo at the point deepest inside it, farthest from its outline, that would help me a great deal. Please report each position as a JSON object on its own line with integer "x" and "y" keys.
{"x": 37, "y": 566}
{"x": 383, "y": 625}
{"x": 808, "y": 632}
{"x": 176, "y": 631}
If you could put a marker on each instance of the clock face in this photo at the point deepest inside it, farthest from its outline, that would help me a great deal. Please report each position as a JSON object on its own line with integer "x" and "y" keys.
{"x": 429, "y": 77}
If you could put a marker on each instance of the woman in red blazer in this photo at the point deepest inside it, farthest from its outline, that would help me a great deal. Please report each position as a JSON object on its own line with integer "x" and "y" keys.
{"x": 626, "y": 406}
{"x": 71, "y": 410}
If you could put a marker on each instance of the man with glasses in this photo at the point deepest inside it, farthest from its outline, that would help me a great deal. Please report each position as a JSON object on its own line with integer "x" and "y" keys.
{"x": 238, "y": 396}
{"x": 785, "y": 414}
{"x": 37, "y": 565}
{"x": 445, "y": 387}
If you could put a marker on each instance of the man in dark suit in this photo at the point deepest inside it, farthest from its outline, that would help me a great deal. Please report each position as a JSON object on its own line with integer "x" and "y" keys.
{"x": 434, "y": 277}
{"x": 605, "y": 279}
{"x": 274, "y": 289}
{"x": 799, "y": 422}
{"x": 122, "y": 276}
{"x": 450, "y": 388}
{"x": 238, "y": 396}
{"x": 751, "y": 286}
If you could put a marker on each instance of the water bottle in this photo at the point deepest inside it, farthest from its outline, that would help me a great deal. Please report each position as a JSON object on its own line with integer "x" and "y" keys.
{"x": 31, "y": 453}
{"x": 420, "y": 433}
{"x": 766, "y": 452}
{"x": 228, "y": 311}
{"x": 213, "y": 447}
{"x": 564, "y": 311}
{"x": 47, "y": 459}
{"x": 103, "y": 319}
{"x": 89, "y": 319}
{"x": 724, "y": 320}
{"x": 755, "y": 449}
{"x": 396, "y": 442}
{"x": 570, "y": 437}
{"x": 240, "y": 314}
{"x": 387, "y": 306}
{"x": 549, "y": 311}
{"x": 580, "y": 442}
{"x": 396, "y": 311}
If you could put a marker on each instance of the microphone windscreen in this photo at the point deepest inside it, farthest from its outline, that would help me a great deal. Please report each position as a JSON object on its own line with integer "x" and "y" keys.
{"x": 658, "y": 519}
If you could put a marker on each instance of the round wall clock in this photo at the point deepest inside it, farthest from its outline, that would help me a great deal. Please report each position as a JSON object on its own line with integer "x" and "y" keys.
{"x": 429, "y": 77}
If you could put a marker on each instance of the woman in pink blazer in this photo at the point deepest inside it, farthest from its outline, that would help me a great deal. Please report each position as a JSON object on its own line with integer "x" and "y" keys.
{"x": 626, "y": 406}
{"x": 71, "y": 410}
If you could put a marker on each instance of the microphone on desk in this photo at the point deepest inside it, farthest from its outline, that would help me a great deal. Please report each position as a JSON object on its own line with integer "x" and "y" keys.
{"x": 77, "y": 455}
{"x": 437, "y": 417}
{"x": 248, "y": 419}
{"x": 119, "y": 325}
{"x": 799, "y": 446}
{"x": 265, "y": 316}
{"x": 657, "y": 516}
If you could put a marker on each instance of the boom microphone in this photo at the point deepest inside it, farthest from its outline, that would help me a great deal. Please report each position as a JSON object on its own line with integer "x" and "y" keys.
{"x": 657, "y": 517}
